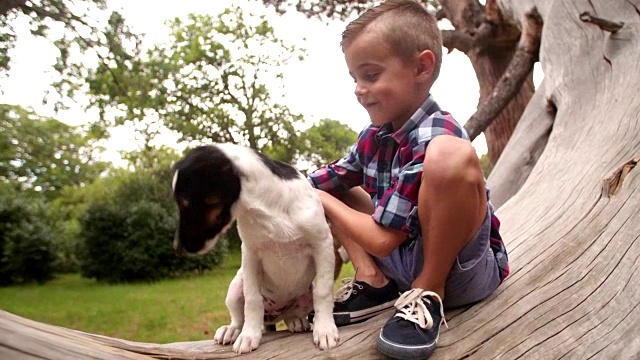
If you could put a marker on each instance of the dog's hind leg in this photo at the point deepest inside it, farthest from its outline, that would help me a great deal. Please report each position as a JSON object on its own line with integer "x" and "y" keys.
{"x": 325, "y": 332}
{"x": 235, "y": 303}
{"x": 296, "y": 315}
{"x": 297, "y": 324}
{"x": 251, "y": 334}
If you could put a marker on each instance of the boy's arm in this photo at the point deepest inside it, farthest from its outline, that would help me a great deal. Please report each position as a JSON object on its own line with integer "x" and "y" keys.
{"x": 376, "y": 239}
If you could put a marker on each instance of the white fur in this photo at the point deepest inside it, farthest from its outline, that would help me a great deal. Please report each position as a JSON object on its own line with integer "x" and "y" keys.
{"x": 286, "y": 242}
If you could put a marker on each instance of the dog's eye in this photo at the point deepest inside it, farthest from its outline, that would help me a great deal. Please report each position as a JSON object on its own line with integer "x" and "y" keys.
{"x": 212, "y": 201}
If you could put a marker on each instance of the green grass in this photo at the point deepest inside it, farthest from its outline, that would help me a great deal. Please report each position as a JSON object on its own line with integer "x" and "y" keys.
{"x": 184, "y": 309}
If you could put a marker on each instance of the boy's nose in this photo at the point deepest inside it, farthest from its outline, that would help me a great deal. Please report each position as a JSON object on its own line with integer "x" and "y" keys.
{"x": 359, "y": 91}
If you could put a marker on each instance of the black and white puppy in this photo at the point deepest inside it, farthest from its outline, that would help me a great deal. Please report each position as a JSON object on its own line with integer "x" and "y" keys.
{"x": 286, "y": 241}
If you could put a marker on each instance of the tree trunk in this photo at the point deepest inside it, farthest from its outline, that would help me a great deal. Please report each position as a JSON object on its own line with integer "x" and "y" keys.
{"x": 492, "y": 46}
{"x": 572, "y": 228}
{"x": 489, "y": 66}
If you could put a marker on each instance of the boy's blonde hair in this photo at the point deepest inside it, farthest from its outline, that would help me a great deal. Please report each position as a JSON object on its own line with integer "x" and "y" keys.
{"x": 405, "y": 25}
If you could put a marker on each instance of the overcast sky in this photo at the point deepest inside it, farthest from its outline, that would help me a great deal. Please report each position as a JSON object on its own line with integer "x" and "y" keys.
{"x": 319, "y": 87}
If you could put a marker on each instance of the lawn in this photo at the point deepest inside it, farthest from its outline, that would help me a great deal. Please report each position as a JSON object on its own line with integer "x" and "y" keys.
{"x": 183, "y": 309}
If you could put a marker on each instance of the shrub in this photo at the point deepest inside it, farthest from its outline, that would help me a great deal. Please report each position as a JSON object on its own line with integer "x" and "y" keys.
{"x": 65, "y": 212}
{"x": 130, "y": 236}
{"x": 26, "y": 240}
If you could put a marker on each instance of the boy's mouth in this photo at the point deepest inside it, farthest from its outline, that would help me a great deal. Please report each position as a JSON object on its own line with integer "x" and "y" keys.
{"x": 368, "y": 105}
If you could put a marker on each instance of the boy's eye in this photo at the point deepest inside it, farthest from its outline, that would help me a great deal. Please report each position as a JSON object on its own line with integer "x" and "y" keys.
{"x": 371, "y": 76}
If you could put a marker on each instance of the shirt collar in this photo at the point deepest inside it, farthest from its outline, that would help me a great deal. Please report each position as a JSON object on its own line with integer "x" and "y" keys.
{"x": 428, "y": 107}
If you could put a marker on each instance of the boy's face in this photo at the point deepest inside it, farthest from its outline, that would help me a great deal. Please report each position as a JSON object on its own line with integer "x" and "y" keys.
{"x": 390, "y": 89}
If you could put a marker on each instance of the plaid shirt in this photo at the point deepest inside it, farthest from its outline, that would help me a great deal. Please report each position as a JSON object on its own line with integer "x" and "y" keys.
{"x": 389, "y": 167}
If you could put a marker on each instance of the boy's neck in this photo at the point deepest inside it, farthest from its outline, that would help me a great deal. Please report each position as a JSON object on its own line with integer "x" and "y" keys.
{"x": 398, "y": 125}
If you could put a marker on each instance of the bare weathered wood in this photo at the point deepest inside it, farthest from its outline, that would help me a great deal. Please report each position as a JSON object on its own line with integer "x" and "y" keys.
{"x": 523, "y": 150}
{"x": 22, "y": 338}
{"x": 603, "y": 24}
{"x": 575, "y": 251}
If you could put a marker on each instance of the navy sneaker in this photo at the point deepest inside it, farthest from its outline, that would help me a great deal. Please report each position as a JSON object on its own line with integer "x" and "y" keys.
{"x": 357, "y": 301}
{"x": 412, "y": 332}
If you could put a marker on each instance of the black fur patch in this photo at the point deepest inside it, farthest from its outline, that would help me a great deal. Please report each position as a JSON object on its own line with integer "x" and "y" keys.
{"x": 278, "y": 168}
{"x": 205, "y": 173}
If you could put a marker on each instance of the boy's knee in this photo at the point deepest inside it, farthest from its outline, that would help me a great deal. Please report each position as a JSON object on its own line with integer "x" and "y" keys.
{"x": 450, "y": 160}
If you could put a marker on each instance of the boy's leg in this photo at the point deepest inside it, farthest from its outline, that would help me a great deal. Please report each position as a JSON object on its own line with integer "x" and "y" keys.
{"x": 369, "y": 292}
{"x": 452, "y": 206}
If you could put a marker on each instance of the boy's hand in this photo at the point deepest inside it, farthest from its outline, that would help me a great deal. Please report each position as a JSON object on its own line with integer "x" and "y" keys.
{"x": 376, "y": 239}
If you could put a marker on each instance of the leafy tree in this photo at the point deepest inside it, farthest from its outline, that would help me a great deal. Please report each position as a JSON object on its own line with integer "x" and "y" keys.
{"x": 79, "y": 31}
{"x": 44, "y": 154}
{"x": 207, "y": 83}
{"x": 327, "y": 141}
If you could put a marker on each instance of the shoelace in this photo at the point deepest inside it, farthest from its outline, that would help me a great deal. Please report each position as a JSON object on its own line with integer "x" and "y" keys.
{"x": 411, "y": 305}
{"x": 347, "y": 288}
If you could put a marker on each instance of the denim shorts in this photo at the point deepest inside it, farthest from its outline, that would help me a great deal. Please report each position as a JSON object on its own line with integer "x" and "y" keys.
{"x": 474, "y": 275}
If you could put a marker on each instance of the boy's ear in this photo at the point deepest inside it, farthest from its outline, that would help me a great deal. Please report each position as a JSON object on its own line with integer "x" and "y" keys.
{"x": 426, "y": 63}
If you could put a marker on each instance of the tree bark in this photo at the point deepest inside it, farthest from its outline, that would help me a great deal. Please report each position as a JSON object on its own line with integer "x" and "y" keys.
{"x": 490, "y": 43}
{"x": 516, "y": 77}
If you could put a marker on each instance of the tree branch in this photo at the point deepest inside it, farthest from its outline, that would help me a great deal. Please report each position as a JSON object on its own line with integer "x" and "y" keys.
{"x": 478, "y": 39}
{"x": 603, "y": 24}
{"x": 458, "y": 40}
{"x": 8, "y": 5}
{"x": 511, "y": 81}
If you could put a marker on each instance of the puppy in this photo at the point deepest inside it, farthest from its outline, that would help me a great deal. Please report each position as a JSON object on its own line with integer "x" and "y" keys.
{"x": 286, "y": 241}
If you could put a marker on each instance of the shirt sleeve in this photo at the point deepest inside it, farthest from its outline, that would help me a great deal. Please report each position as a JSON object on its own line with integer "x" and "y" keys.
{"x": 398, "y": 206}
{"x": 339, "y": 176}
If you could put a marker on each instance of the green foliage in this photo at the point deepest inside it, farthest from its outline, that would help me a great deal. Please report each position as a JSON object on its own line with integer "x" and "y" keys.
{"x": 26, "y": 243}
{"x": 42, "y": 16}
{"x": 486, "y": 165}
{"x": 66, "y": 209}
{"x": 72, "y": 202}
{"x": 207, "y": 83}
{"x": 152, "y": 158}
{"x": 129, "y": 236}
{"x": 43, "y": 154}
{"x": 327, "y": 141}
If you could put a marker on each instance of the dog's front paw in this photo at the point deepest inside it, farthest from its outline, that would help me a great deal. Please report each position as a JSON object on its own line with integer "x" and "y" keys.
{"x": 325, "y": 334}
{"x": 247, "y": 341}
{"x": 226, "y": 334}
{"x": 297, "y": 325}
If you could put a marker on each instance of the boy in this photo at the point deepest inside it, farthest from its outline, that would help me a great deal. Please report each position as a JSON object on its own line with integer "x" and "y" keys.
{"x": 425, "y": 228}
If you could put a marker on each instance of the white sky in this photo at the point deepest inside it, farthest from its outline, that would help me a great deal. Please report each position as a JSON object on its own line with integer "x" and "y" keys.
{"x": 319, "y": 87}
